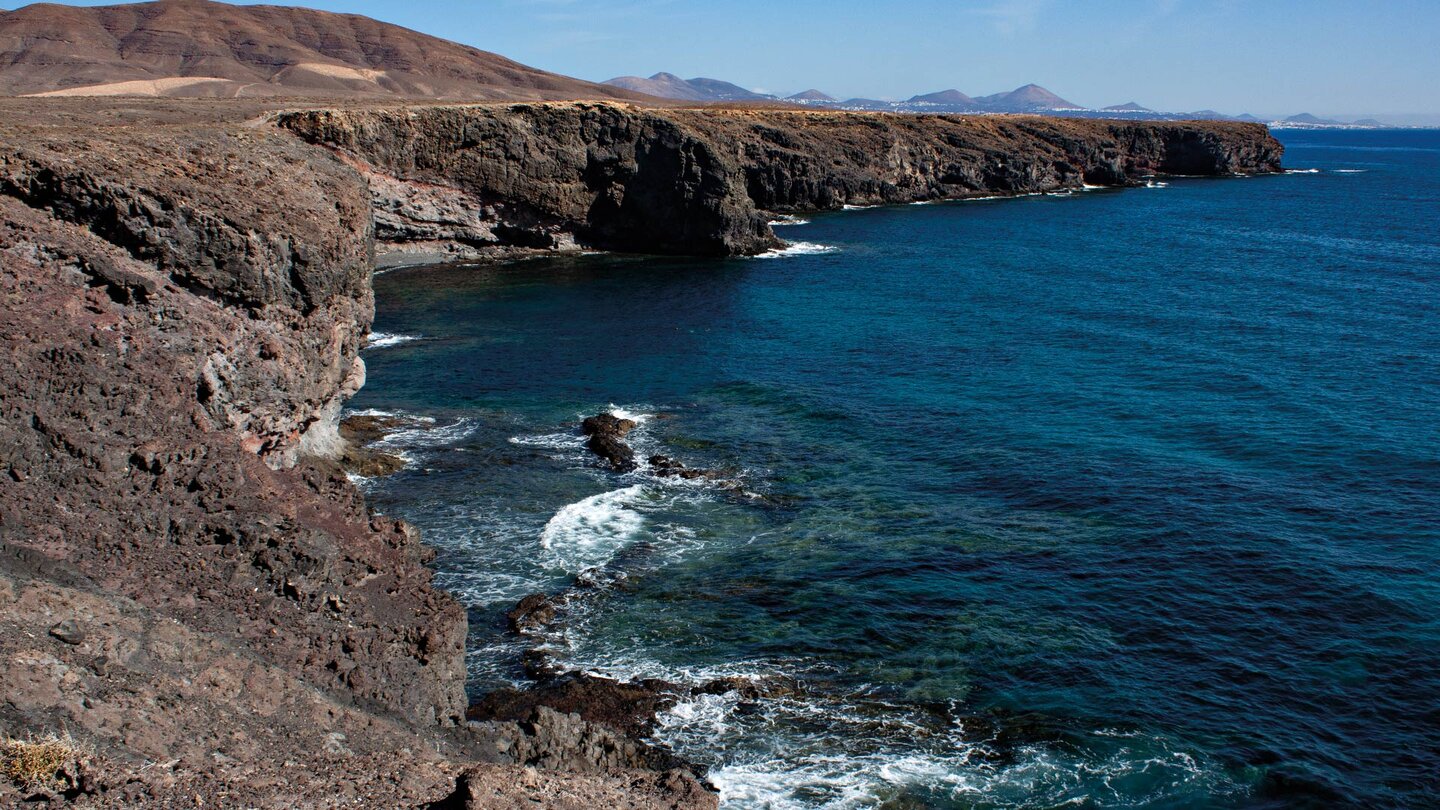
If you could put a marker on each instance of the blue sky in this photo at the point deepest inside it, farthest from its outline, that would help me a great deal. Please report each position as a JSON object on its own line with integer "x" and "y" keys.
{"x": 1260, "y": 56}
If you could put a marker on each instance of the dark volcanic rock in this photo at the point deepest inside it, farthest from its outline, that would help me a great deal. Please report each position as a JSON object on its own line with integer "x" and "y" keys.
{"x": 68, "y": 631}
{"x": 626, "y": 706}
{"x": 750, "y": 688}
{"x": 607, "y": 424}
{"x": 491, "y": 788}
{"x": 188, "y": 584}
{"x": 667, "y": 467}
{"x": 606, "y": 434}
{"x": 370, "y": 463}
{"x": 462, "y": 181}
{"x": 360, "y": 430}
{"x": 458, "y": 180}
{"x": 532, "y": 613}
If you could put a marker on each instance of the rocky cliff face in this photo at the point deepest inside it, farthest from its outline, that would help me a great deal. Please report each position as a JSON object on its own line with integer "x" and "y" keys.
{"x": 186, "y": 576}
{"x": 551, "y": 176}
{"x": 467, "y": 181}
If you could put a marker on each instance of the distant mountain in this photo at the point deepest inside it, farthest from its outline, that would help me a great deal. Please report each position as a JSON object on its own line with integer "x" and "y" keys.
{"x": 668, "y": 85}
{"x": 1310, "y": 120}
{"x": 948, "y": 98}
{"x": 1369, "y": 122}
{"x": 1030, "y": 98}
{"x": 725, "y": 91}
{"x": 202, "y": 48}
{"x": 664, "y": 85}
{"x": 811, "y": 96}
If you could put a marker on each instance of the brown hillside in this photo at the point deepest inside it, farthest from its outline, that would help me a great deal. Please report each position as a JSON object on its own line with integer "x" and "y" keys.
{"x": 202, "y": 48}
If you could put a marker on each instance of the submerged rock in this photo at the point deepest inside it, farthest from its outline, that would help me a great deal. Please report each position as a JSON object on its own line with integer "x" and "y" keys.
{"x": 667, "y": 467}
{"x": 361, "y": 430}
{"x": 364, "y": 428}
{"x": 751, "y": 688}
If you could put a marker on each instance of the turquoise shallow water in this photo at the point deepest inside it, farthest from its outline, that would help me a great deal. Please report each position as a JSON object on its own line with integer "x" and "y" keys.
{"x": 1114, "y": 499}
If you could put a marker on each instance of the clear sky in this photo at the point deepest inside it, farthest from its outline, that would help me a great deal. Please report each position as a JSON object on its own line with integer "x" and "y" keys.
{"x": 1260, "y": 56}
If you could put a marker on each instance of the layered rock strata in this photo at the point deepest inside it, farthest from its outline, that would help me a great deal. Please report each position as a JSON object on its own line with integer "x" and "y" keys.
{"x": 471, "y": 181}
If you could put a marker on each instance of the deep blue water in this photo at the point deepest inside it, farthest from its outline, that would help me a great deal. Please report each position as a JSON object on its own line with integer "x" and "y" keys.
{"x": 1117, "y": 499}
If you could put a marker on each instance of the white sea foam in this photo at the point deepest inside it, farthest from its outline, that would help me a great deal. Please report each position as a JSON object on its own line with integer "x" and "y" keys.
{"x": 1302, "y": 171}
{"x": 486, "y": 586}
{"x": 429, "y": 420}
{"x": 828, "y": 773}
{"x": 798, "y": 249}
{"x": 633, "y": 416}
{"x": 782, "y": 220}
{"x": 427, "y": 434}
{"x": 1156, "y": 184}
{"x": 588, "y": 533}
{"x": 837, "y": 753}
{"x": 849, "y": 207}
{"x": 384, "y": 340}
{"x": 1349, "y": 171}
{"x": 569, "y": 440}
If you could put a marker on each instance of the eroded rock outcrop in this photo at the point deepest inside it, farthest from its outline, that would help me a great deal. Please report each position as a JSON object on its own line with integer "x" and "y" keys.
{"x": 471, "y": 181}
{"x": 189, "y": 585}
{"x": 457, "y": 180}
{"x": 605, "y": 437}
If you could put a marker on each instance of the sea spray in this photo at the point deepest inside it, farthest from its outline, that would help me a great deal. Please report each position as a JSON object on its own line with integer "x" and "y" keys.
{"x": 588, "y": 533}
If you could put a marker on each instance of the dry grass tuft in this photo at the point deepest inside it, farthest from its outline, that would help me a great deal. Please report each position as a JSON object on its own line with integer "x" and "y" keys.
{"x": 37, "y": 762}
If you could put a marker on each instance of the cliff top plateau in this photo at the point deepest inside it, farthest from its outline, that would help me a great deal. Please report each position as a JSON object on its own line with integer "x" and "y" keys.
{"x": 190, "y": 48}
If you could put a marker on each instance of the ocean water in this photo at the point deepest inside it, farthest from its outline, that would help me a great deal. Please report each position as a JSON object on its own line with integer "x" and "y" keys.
{"x": 1110, "y": 499}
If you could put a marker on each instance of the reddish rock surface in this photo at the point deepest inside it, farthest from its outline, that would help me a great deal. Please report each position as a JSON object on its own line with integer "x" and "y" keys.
{"x": 197, "y": 48}
{"x": 189, "y": 584}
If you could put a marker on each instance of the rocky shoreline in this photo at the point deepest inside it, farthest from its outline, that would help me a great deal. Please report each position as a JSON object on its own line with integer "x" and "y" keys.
{"x": 197, "y": 601}
{"x": 478, "y": 181}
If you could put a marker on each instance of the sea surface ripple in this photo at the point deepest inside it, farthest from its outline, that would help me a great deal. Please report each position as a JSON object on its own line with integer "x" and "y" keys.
{"x": 1115, "y": 499}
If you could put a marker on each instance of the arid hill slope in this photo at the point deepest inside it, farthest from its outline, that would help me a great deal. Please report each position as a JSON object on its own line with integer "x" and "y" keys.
{"x": 192, "y": 48}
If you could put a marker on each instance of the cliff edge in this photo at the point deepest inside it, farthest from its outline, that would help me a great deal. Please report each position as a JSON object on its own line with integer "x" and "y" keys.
{"x": 472, "y": 181}
{"x": 196, "y": 605}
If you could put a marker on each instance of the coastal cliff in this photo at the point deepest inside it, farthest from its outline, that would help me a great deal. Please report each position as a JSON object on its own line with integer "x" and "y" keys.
{"x": 193, "y": 596}
{"x": 471, "y": 181}
{"x": 192, "y": 589}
